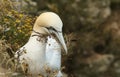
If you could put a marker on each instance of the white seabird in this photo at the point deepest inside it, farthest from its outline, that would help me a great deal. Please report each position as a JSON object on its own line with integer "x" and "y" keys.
{"x": 34, "y": 55}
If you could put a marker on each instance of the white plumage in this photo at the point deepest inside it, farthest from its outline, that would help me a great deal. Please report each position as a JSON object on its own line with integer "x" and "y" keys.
{"x": 53, "y": 55}
{"x": 41, "y": 55}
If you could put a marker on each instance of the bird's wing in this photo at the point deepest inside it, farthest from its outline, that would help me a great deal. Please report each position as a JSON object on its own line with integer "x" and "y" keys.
{"x": 29, "y": 56}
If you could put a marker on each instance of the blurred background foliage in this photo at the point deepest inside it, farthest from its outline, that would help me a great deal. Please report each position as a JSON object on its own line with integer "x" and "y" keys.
{"x": 91, "y": 29}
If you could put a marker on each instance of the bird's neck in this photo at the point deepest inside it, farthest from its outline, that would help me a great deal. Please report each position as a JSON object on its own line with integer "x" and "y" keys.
{"x": 38, "y": 37}
{"x": 38, "y": 42}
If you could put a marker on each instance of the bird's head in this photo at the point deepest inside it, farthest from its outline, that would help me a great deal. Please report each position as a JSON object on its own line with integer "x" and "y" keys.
{"x": 49, "y": 23}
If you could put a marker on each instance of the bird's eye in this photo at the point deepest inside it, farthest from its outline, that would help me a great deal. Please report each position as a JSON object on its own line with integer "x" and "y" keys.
{"x": 51, "y": 28}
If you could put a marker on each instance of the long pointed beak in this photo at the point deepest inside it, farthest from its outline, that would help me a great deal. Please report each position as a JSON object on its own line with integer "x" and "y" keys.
{"x": 60, "y": 39}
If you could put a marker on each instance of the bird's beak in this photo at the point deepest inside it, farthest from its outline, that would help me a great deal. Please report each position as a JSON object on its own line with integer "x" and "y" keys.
{"x": 60, "y": 39}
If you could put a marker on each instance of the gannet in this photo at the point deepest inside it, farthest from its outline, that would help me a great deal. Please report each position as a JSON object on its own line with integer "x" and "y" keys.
{"x": 34, "y": 55}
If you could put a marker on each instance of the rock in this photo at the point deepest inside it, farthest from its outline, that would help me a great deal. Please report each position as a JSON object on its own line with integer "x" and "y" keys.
{"x": 115, "y": 1}
{"x": 94, "y": 12}
{"x": 22, "y": 5}
{"x": 111, "y": 33}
